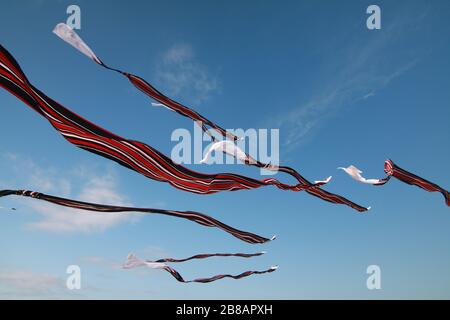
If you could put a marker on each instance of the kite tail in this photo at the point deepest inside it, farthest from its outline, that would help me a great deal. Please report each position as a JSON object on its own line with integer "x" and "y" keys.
{"x": 177, "y": 276}
{"x": 131, "y": 154}
{"x": 209, "y": 255}
{"x": 314, "y": 189}
{"x": 133, "y": 262}
{"x": 68, "y": 35}
{"x": 393, "y": 170}
{"x": 323, "y": 194}
{"x": 197, "y": 217}
{"x": 5, "y": 193}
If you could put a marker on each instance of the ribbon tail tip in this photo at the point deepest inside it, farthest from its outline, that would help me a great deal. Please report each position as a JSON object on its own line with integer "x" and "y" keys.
{"x": 323, "y": 181}
{"x": 273, "y": 238}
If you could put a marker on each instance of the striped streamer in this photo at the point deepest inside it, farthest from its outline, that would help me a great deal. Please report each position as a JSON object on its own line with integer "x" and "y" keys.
{"x": 132, "y": 154}
{"x": 134, "y": 262}
{"x": 67, "y": 34}
{"x": 197, "y": 217}
{"x": 392, "y": 170}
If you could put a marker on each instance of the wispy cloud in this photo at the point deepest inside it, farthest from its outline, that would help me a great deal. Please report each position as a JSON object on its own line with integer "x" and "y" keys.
{"x": 26, "y": 283}
{"x": 44, "y": 178}
{"x": 182, "y": 75}
{"x": 99, "y": 189}
{"x": 96, "y": 187}
{"x": 357, "y": 73}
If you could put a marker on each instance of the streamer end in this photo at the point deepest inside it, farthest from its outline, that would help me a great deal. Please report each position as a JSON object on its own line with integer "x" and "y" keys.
{"x": 129, "y": 261}
{"x": 323, "y": 181}
{"x": 59, "y": 26}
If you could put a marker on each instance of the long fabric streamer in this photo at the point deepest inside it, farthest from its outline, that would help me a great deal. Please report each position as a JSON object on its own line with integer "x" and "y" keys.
{"x": 134, "y": 262}
{"x": 132, "y": 154}
{"x": 392, "y": 170}
{"x": 67, "y": 34}
{"x": 197, "y": 217}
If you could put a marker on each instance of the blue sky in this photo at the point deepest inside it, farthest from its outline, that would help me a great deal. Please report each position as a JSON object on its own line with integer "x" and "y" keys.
{"x": 339, "y": 93}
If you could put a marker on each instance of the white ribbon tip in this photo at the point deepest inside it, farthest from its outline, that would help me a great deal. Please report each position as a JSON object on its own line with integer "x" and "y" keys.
{"x": 355, "y": 173}
{"x": 323, "y": 181}
{"x": 263, "y": 252}
{"x": 227, "y": 147}
{"x": 368, "y": 208}
{"x": 131, "y": 262}
{"x": 66, "y": 33}
{"x": 59, "y": 26}
{"x": 154, "y": 104}
{"x": 274, "y": 267}
{"x": 273, "y": 238}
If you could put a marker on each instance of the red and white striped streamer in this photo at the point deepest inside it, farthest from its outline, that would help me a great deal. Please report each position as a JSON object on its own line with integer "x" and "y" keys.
{"x": 67, "y": 34}
{"x": 135, "y": 262}
{"x": 197, "y": 217}
{"x": 392, "y": 170}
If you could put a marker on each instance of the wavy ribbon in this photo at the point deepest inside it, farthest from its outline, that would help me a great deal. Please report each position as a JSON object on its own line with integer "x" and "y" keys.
{"x": 68, "y": 35}
{"x": 197, "y": 217}
{"x": 392, "y": 170}
{"x": 134, "y": 262}
{"x": 132, "y": 154}
{"x": 355, "y": 173}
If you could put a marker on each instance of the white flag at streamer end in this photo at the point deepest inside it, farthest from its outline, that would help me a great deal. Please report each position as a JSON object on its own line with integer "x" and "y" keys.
{"x": 134, "y": 262}
{"x": 355, "y": 173}
{"x": 160, "y": 105}
{"x": 63, "y": 31}
{"x": 227, "y": 147}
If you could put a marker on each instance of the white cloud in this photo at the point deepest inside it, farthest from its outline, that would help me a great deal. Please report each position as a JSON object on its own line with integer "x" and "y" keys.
{"x": 357, "y": 73}
{"x": 361, "y": 85}
{"x": 44, "y": 178}
{"x": 96, "y": 186}
{"x": 182, "y": 76}
{"x": 99, "y": 189}
{"x": 25, "y": 283}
